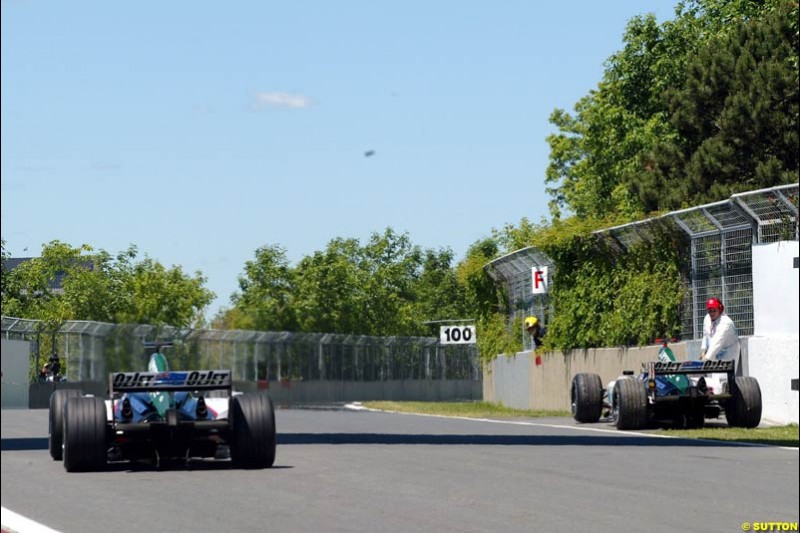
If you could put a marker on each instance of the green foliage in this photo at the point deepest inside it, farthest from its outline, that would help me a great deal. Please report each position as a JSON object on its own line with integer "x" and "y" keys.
{"x": 652, "y": 121}
{"x": 440, "y": 294}
{"x": 266, "y": 286}
{"x": 688, "y": 112}
{"x": 600, "y": 297}
{"x": 604, "y": 298}
{"x": 97, "y": 287}
{"x": 386, "y": 286}
{"x": 736, "y": 117}
{"x": 495, "y": 336}
{"x": 482, "y": 297}
{"x": 4, "y": 278}
{"x": 163, "y": 296}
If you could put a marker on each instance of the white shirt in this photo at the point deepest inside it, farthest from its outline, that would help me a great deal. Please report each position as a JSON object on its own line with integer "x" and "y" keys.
{"x": 720, "y": 339}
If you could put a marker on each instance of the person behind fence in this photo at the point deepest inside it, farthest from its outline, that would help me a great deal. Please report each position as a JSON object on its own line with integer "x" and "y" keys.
{"x": 536, "y": 331}
{"x": 45, "y": 372}
{"x": 720, "y": 338}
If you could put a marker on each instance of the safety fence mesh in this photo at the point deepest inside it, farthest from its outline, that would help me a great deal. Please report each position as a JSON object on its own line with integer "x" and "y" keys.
{"x": 718, "y": 237}
{"x": 89, "y": 350}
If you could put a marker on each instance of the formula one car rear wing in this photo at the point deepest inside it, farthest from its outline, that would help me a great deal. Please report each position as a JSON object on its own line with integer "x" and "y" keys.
{"x": 156, "y": 345}
{"x": 689, "y": 367}
{"x": 186, "y": 380}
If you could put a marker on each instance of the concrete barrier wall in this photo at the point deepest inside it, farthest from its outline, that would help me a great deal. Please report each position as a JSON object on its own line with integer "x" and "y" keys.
{"x": 520, "y": 382}
{"x": 39, "y": 393}
{"x": 318, "y": 392}
{"x": 512, "y": 375}
{"x": 309, "y": 392}
{"x": 14, "y": 359}
{"x": 774, "y": 363}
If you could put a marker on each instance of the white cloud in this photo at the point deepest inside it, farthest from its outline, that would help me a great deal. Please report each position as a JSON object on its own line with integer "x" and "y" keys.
{"x": 293, "y": 101}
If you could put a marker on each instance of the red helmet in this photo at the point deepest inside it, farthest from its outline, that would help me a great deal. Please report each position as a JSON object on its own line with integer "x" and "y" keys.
{"x": 714, "y": 303}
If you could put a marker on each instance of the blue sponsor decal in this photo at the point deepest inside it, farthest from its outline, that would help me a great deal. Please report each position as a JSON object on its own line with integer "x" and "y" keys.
{"x": 171, "y": 378}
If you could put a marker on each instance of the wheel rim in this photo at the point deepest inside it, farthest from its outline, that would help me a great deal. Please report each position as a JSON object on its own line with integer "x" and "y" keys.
{"x": 574, "y": 401}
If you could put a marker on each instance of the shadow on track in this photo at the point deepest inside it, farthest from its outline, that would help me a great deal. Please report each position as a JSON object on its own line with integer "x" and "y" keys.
{"x": 28, "y": 444}
{"x": 23, "y": 444}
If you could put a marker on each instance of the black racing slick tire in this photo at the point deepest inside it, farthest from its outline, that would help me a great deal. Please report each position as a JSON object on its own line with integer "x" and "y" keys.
{"x": 744, "y": 408}
{"x": 631, "y": 404}
{"x": 56, "y": 425}
{"x": 253, "y": 434}
{"x": 85, "y": 435}
{"x": 586, "y": 395}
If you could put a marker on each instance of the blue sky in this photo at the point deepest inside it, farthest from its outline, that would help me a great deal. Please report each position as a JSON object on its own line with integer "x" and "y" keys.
{"x": 200, "y": 131}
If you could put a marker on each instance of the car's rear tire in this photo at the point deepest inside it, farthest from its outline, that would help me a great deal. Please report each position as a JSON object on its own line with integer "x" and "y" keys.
{"x": 254, "y": 440}
{"x": 85, "y": 434}
{"x": 631, "y": 404}
{"x": 56, "y": 424}
{"x": 744, "y": 408}
{"x": 586, "y": 395}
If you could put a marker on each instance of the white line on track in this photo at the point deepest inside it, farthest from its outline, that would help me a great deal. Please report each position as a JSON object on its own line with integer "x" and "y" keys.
{"x": 356, "y": 406}
{"x": 13, "y": 522}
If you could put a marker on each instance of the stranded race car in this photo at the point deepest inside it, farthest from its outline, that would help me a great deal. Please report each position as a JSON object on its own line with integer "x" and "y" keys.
{"x": 161, "y": 414}
{"x": 683, "y": 394}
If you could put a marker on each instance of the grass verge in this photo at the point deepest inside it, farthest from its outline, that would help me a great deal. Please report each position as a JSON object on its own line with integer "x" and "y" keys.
{"x": 466, "y": 409}
{"x": 774, "y": 436}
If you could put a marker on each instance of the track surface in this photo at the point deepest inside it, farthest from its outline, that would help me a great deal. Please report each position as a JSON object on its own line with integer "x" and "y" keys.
{"x": 341, "y": 470}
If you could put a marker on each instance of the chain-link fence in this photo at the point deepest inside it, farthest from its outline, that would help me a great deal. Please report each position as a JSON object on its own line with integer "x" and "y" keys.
{"x": 89, "y": 350}
{"x": 720, "y": 237}
{"x": 717, "y": 237}
{"x": 515, "y": 270}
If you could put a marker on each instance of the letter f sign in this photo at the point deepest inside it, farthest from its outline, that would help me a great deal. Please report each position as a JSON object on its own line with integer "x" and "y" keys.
{"x": 539, "y": 277}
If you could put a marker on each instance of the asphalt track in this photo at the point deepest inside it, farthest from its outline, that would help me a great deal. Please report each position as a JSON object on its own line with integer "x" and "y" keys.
{"x": 343, "y": 470}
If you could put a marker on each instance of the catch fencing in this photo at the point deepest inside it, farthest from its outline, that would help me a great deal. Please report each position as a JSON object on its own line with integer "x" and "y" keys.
{"x": 515, "y": 270}
{"x": 90, "y": 350}
{"x": 718, "y": 238}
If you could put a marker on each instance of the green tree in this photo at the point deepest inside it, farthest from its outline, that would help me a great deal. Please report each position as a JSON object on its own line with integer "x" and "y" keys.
{"x": 601, "y": 160}
{"x": 8, "y": 290}
{"x": 483, "y": 298}
{"x": 386, "y": 286}
{"x": 32, "y": 294}
{"x": 264, "y": 299}
{"x": 736, "y": 117}
{"x": 331, "y": 295}
{"x": 95, "y": 286}
{"x": 162, "y": 296}
{"x": 440, "y": 296}
{"x": 390, "y": 269}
